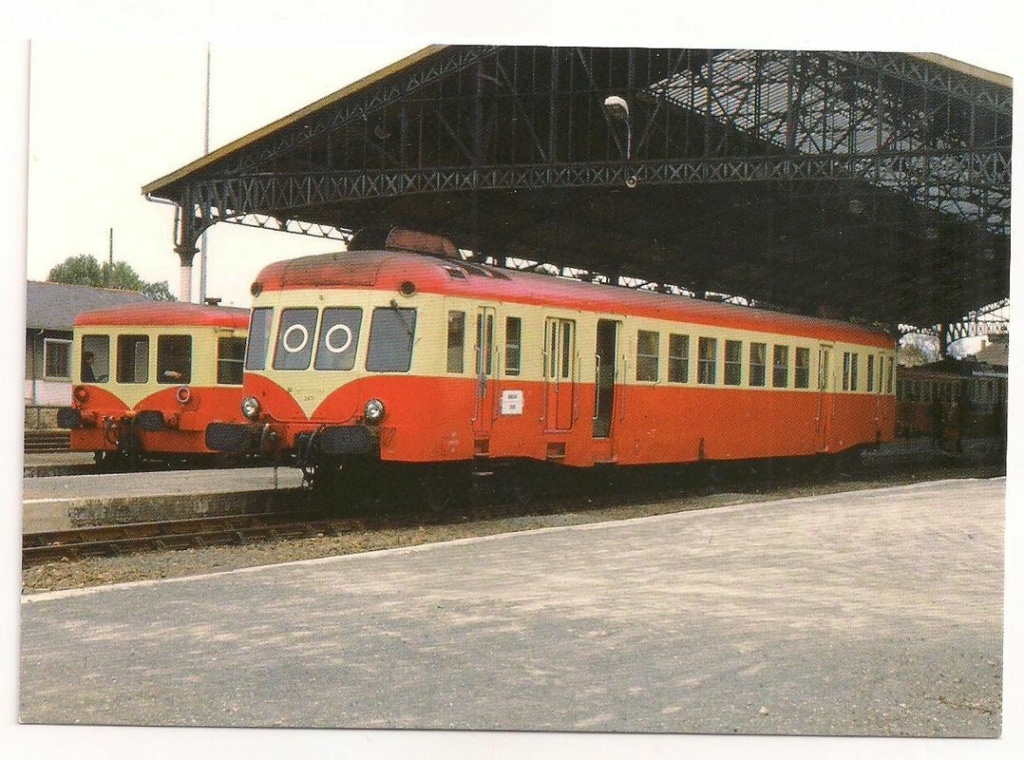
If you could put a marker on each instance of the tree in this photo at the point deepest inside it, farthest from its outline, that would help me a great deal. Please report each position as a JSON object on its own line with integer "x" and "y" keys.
{"x": 86, "y": 270}
{"x": 916, "y": 349}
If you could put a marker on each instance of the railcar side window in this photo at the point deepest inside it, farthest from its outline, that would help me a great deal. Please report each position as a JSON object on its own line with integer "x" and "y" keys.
{"x": 568, "y": 341}
{"x": 513, "y": 345}
{"x": 853, "y": 372}
{"x": 678, "y": 358}
{"x": 647, "y": 355}
{"x": 870, "y": 374}
{"x": 259, "y": 338}
{"x": 456, "y": 341}
{"x": 846, "y": 370}
{"x": 707, "y": 352}
{"x": 802, "y": 368}
{"x": 733, "y": 361}
{"x": 95, "y": 366}
{"x": 230, "y": 357}
{"x": 392, "y": 331}
{"x": 174, "y": 359}
{"x": 484, "y": 342}
{"x": 881, "y": 371}
{"x": 295, "y": 339}
{"x": 758, "y": 357}
{"x": 133, "y": 359}
{"x": 339, "y": 338}
{"x": 780, "y": 366}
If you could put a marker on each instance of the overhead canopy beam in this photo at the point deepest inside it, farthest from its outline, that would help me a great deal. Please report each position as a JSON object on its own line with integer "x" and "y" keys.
{"x": 872, "y": 185}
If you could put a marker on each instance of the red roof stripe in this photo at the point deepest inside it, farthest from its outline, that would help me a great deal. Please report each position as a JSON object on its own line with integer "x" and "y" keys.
{"x": 166, "y": 313}
{"x": 386, "y": 270}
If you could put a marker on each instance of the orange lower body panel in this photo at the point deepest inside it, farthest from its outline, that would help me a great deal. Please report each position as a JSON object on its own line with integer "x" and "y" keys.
{"x": 106, "y": 418}
{"x": 446, "y": 419}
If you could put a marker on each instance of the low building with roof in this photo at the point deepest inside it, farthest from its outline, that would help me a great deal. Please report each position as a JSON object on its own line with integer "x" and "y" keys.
{"x": 51, "y": 309}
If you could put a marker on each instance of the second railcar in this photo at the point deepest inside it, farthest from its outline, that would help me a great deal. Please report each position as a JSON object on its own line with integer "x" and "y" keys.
{"x": 950, "y": 400}
{"x": 384, "y": 355}
{"x": 149, "y": 378}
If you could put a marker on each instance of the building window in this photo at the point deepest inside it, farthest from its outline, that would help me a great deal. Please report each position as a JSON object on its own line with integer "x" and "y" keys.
{"x": 230, "y": 358}
{"x": 456, "y": 341}
{"x": 174, "y": 359}
{"x": 647, "y": 355}
{"x": 513, "y": 345}
{"x": 57, "y": 358}
{"x": 733, "y": 361}
{"x": 133, "y": 359}
{"x": 802, "y": 368}
{"x": 679, "y": 358}
{"x": 707, "y": 352}
{"x": 758, "y": 357}
{"x": 780, "y": 366}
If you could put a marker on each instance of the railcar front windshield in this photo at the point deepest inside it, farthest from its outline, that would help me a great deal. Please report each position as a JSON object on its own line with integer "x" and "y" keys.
{"x": 174, "y": 359}
{"x": 295, "y": 338}
{"x": 392, "y": 333}
{"x": 259, "y": 338}
{"x": 94, "y": 364}
{"x": 338, "y": 339}
{"x": 230, "y": 355}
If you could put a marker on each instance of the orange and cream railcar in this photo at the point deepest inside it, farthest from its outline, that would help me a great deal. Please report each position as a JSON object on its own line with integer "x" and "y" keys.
{"x": 381, "y": 354}
{"x": 151, "y": 377}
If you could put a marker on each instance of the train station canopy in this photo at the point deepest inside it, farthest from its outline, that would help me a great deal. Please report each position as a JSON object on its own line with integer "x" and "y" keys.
{"x": 864, "y": 185}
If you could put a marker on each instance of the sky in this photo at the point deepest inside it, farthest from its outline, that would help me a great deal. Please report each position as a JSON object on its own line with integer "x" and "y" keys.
{"x": 86, "y": 173}
{"x": 110, "y": 96}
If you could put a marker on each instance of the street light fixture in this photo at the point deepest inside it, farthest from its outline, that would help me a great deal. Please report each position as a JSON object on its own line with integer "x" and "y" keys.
{"x": 617, "y": 108}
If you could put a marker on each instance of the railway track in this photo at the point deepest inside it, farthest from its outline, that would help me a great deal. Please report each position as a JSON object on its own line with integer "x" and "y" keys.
{"x": 316, "y": 520}
{"x": 78, "y": 543}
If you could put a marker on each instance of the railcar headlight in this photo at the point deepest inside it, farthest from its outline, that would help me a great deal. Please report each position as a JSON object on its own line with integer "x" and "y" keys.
{"x": 250, "y": 408}
{"x": 373, "y": 411}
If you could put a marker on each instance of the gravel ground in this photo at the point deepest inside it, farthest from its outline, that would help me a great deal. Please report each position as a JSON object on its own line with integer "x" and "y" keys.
{"x": 97, "y": 571}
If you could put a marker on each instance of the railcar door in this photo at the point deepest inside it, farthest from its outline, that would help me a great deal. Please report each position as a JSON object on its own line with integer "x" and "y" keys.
{"x": 483, "y": 409}
{"x": 826, "y": 396}
{"x": 559, "y": 373}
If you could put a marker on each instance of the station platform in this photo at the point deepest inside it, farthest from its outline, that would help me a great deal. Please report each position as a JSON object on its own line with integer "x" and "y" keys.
{"x": 873, "y": 613}
{"x": 63, "y": 502}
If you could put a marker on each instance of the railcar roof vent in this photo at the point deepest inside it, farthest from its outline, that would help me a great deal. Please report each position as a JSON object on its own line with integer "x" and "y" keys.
{"x": 399, "y": 239}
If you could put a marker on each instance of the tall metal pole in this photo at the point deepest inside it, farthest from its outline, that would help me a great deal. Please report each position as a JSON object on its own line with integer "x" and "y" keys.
{"x": 206, "y": 149}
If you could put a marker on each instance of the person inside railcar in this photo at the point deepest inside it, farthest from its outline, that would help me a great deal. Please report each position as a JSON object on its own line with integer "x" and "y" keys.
{"x": 88, "y": 376}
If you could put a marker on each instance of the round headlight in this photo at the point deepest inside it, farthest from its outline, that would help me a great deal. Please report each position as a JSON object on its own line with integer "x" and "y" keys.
{"x": 250, "y": 408}
{"x": 373, "y": 411}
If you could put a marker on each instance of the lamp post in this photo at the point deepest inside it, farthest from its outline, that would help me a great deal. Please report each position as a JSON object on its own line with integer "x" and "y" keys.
{"x": 617, "y": 108}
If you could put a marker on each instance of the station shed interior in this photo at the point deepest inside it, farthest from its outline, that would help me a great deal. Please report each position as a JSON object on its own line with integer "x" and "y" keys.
{"x": 867, "y": 186}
